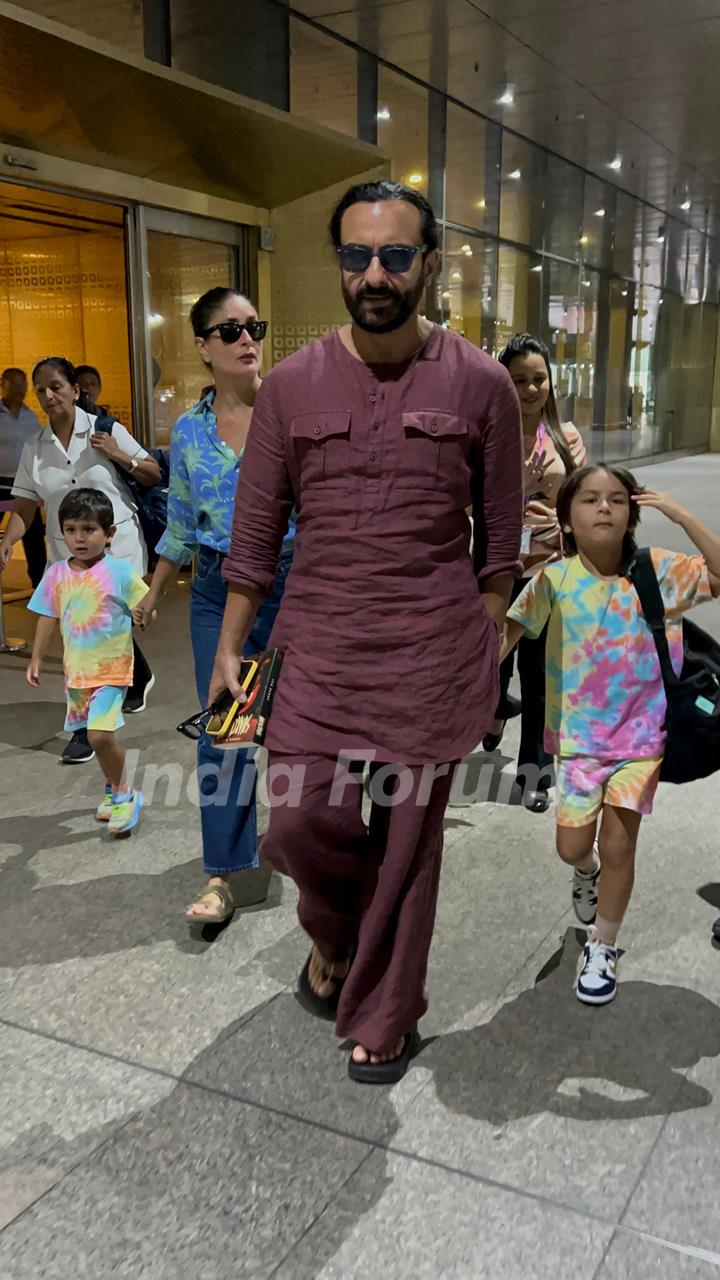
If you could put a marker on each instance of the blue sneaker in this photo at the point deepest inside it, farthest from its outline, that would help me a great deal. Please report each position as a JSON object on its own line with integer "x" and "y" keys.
{"x": 125, "y": 814}
{"x": 597, "y": 980}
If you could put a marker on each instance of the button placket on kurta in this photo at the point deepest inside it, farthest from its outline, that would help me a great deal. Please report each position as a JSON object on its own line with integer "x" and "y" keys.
{"x": 387, "y": 643}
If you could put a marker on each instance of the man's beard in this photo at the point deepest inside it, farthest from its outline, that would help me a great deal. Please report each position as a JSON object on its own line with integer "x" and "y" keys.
{"x": 399, "y": 308}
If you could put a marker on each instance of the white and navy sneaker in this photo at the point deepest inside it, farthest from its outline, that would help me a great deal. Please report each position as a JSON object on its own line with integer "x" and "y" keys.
{"x": 597, "y": 980}
{"x": 584, "y": 895}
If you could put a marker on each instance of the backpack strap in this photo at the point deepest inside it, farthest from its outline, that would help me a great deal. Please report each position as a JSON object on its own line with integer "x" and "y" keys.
{"x": 644, "y": 579}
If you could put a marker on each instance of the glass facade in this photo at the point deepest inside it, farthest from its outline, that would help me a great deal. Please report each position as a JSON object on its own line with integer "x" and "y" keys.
{"x": 625, "y": 296}
{"x": 402, "y": 128}
{"x": 323, "y": 79}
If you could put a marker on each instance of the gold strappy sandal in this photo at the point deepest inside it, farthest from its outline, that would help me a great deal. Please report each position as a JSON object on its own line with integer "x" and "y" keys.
{"x": 218, "y": 894}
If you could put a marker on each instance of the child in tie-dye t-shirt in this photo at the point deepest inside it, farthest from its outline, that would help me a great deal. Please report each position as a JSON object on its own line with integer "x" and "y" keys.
{"x": 605, "y": 701}
{"x": 94, "y": 596}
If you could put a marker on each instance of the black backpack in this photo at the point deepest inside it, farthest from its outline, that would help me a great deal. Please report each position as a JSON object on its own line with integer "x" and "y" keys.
{"x": 693, "y": 698}
{"x": 150, "y": 500}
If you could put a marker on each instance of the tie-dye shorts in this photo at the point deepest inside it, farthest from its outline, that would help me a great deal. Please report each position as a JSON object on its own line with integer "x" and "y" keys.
{"x": 584, "y": 785}
{"x": 95, "y": 708}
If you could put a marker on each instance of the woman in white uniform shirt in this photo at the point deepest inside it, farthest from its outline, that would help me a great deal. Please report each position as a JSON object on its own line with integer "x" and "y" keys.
{"x": 69, "y": 453}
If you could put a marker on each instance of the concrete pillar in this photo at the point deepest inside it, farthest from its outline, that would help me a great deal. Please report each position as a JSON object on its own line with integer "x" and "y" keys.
{"x": 245, "y": 48}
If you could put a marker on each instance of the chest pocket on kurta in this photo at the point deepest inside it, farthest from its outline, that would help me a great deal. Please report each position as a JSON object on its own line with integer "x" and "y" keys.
{"x": 433, "y": 450}
{"x": 321, "y": 443}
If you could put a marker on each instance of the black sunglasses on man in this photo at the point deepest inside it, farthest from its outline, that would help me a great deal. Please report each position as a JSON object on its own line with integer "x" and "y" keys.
{"x": 396, "y": 259}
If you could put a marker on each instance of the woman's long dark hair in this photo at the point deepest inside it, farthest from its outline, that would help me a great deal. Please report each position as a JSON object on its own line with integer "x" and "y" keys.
{"x": 524, "y": 344}
{"x": 570, "y": 488}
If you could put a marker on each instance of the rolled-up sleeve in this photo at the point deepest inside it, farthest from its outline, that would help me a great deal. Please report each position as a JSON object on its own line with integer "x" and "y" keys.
{"x": 127, "y": 443}
{"x": 179, "y": 538}
{"x": 498, "y": 488}
{"x": 24, "y": 484}
{"x": 263, "y": 502}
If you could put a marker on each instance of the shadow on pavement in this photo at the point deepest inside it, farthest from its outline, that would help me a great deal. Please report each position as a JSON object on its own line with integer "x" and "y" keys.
{"x": 546, "y": 1052}
{"x": 47, "y": 924}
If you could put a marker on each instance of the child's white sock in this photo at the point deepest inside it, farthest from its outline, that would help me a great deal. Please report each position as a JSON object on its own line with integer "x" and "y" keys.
{"x": 590, "y": 865}
{"x": 604, "y": 931}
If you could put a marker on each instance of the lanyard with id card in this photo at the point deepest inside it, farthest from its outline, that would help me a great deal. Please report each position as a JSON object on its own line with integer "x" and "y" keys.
{"x": 527, "y": 532}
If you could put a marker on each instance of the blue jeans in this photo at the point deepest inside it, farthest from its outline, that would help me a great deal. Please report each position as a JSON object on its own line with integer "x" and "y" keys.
{"x": 226, "y": 779}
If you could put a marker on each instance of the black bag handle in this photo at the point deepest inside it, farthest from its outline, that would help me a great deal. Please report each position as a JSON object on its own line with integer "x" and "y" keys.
{"x": 644, "y": 579}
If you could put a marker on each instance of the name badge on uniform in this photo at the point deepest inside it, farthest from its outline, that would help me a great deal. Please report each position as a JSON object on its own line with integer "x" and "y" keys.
{"x": 525, "y": 540}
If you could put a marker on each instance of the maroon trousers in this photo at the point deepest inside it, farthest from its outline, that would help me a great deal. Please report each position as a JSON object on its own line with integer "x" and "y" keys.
{"x": 369, "y": 892}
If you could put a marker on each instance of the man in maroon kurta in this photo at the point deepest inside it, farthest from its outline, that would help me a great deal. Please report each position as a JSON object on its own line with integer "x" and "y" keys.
{"x": 382, "y": 435}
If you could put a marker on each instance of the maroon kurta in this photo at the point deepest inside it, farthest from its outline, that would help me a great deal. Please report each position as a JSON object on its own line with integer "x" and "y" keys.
{"x": 388, "y": 646}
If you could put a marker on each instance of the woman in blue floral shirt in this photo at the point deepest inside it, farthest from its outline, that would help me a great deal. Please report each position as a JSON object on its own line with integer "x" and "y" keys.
{"x": 206, "y": 451}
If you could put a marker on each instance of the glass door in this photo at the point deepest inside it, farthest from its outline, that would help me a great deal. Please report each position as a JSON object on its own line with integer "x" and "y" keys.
{"x": 63, "y": 286}
{"x": 182, "y": 257}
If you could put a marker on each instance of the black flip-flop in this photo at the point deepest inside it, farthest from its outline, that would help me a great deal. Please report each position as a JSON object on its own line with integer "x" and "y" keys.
{"x": 385, "y": 1072}
{"x": 321, "y": 1006}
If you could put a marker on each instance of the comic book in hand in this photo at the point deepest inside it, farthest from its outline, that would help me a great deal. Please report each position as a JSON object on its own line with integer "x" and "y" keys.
{"x": 233, "y": 725}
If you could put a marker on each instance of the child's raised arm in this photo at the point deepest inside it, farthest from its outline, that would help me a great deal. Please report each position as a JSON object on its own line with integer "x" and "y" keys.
{"x": 707, "y": 542}
{"x": 43, "y": 635}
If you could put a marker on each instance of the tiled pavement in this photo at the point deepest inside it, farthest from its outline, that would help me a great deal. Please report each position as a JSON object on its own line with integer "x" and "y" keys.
{"x": 168, "y": 1111}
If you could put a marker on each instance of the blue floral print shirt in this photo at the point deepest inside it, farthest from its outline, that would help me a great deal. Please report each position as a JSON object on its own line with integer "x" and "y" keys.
{"x": 203, "y": 479}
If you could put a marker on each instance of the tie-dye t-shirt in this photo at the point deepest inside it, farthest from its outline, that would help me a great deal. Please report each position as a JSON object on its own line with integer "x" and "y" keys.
{"x": 93, "y": 606}
{"x": 604, "y": 691}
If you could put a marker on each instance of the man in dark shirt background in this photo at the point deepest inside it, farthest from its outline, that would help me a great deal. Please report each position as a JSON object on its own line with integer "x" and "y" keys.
{"x": 381, "y": 434}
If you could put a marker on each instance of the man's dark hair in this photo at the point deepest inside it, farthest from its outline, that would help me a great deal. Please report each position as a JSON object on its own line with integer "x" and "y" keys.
{"x": 371, "y": 192}
{"x": 89, "y": 368}
{"x": 87, "y": 504}
{"x": 8, "y": 373}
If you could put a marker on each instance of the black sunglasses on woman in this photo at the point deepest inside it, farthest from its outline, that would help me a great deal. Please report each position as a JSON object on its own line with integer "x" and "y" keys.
{"x": 232, "y": 330}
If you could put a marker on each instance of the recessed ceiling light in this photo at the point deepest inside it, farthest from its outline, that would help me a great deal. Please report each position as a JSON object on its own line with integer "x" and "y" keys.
{"x": 515, "y": 176}
{"x": 446, "y": 294}
{"x": 466, "y": 249}
{"x": 586, "y": 284}
{"x": 480, "y": 204}
{"x": 686, "y": 204}
{"x": 537, "y": 268}
{"x": 661, "y": 237}
{"x": 624, "y": 293}
{"x": 507, "y": 99}
{"x": 384, "y": 113}
{"x": 583, "y": 239}
{"x": 616, "y": 163}
{"x": 456, "y": 275}
{"x": 599, "y": 213}
{"x": 415, "y": 179}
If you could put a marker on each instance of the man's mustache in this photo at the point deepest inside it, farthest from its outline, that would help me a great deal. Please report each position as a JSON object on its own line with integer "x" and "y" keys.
{"x": 369, "y": 292}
